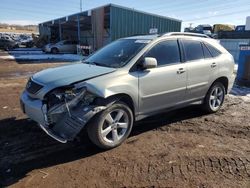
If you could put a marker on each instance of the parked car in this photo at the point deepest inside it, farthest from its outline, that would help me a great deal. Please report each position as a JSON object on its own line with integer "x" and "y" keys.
{"x": 64, "y": 46}
{"x": 223, "y": 27}
{"x": 28, "y": 42}
{"x": 218, "y": 28}
{"x": 126, "y": 81}
{"x": 240, "y": 28}
{"x": 7, "y": 43}
{"x": 203, "y": 29}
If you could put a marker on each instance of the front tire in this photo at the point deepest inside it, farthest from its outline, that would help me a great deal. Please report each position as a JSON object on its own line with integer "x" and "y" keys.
{"x": 111, "y": 127}
{"x": 54, "y": 51}
{"x": 214, "y": 98}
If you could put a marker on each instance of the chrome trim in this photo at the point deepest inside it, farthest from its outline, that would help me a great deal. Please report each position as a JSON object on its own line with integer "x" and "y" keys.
{"x": 186, "y": 34}
{"x": 48, "y": 132}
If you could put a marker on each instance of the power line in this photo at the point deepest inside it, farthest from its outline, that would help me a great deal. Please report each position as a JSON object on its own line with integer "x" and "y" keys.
{"x": 219, "y": 15}
{"x": 63, "y": 12}
{"x": 221, "y": 6}
{"x": 181, "y": 6}
{"x": 51, "y": 4}
{"x": 224, "y": 8}
{"x": 36, "y": 11}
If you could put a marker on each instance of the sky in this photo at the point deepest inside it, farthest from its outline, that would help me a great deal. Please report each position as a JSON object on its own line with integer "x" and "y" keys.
{"x": 25, "y": 12}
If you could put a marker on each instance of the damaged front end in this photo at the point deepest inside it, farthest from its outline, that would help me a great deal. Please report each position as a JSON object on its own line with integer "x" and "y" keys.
{"x": 67, "y": 110}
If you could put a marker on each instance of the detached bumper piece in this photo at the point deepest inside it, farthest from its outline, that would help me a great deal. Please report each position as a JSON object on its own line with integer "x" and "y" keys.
{"x": 70, "y": 124}
{"x": 49, "y": 132}
{"x": 62, "y": 124}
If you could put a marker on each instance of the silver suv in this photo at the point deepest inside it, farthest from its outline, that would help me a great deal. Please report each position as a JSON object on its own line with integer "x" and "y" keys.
{"x": 126, "y": 81}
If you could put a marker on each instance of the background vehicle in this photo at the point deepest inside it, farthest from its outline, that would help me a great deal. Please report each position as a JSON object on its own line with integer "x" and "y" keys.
{"x": 27, "y": 42}
{"x": 204, "y": 29}
{"x": 240, "y": 28}
{"x": 126, "y": 81}
{"x": 7, "y": 43}
{"x": 220, "y": 28}
{"x": 64, "y": 46}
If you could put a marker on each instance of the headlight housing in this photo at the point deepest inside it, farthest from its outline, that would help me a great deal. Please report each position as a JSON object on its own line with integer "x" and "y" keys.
{"x": 66, "y": 100}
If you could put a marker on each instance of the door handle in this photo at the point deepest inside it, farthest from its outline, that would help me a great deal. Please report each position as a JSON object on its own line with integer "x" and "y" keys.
{"x": 180, "y": 71}
{"x": 213, "y": 65}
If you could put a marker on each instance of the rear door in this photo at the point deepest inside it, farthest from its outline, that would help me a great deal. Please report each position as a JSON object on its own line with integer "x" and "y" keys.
{"x": 66, "y": 46}
{"x": 70, "y": 47}
{"x": 74, "y": 47}
{"x": 165, "y": 85}
{"x": 201, "y": 67}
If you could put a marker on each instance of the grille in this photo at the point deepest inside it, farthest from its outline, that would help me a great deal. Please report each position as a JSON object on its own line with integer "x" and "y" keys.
{"x": 33, "y": 87}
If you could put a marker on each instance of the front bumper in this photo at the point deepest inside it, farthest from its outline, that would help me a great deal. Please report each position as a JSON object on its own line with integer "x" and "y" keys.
{"x": 68, "y": 125}
{"x": 32, "y": 108}
{"x": 52, "y": 134}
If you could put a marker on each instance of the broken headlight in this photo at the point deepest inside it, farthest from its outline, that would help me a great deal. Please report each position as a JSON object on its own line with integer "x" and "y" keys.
{"x": 64, "y": 101}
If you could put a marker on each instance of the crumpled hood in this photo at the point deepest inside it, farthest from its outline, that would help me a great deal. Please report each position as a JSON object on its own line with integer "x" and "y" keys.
{"x": 68, "y": 74}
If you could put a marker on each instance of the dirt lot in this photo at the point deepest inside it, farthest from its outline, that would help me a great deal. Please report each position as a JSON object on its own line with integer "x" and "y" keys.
{"x": 184, "y": 148}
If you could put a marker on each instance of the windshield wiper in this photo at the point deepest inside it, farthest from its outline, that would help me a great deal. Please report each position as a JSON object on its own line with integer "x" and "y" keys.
{"x": 90, "y": 63}
{"x": 95, "y": 63}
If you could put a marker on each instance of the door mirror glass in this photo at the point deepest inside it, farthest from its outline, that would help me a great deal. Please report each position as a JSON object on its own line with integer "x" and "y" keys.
{"x": 149, "y": 63}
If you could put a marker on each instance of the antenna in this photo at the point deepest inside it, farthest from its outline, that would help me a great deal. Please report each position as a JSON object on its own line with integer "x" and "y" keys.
{"x": 80, "y": 5}
{"x": 190, "y": 25}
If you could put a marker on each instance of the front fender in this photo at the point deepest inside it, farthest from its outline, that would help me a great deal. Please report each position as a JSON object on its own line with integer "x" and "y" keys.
{"x": 121, "y": 89}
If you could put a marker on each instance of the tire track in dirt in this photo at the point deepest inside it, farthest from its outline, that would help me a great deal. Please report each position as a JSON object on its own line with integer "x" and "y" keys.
{"x": 219, "y": 130}
{"x": 182, "y": 168}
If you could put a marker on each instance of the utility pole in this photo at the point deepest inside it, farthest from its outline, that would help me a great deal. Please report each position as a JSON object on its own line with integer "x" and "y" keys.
{"x": 80, "y": 5}
{"x": 190, "y": 25}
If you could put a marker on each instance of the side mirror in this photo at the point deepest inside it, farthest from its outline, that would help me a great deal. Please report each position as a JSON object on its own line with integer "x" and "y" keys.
{"x": 149, "y": 63}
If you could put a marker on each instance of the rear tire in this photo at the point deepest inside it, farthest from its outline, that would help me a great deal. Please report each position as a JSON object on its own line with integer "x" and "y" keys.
{"x": 214, "y": 98}
{"x": 111, "y": 127}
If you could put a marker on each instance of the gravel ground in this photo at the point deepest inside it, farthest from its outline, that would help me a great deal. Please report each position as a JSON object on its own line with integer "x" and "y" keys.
{"x": 183, "y": 148}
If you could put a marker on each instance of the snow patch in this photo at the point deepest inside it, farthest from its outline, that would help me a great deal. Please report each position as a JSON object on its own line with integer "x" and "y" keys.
{"x": 70, "y": 57}
{"x": 7, "y": 57}
{"x": 242, "y": 92}
{"x": 13, "y": 52}
{"x": 39, "y": 55}
{"x": 27, "y": 49}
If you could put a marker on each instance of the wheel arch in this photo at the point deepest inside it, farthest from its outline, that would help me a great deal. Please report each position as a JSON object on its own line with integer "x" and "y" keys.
{"x": 224, "y": 80}
{"x": 127, "y": 99}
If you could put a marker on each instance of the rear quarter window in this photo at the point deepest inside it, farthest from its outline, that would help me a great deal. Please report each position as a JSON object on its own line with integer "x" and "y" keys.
{"x": 214, "y": 51}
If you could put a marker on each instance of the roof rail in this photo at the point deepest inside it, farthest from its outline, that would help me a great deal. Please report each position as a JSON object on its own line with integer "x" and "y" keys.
{"x": 185, "y": 34}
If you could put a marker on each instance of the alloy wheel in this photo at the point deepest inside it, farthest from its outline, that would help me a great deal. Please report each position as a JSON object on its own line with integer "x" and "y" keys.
{"x": 216, "y": 98}
{"x": 115, "y": 126}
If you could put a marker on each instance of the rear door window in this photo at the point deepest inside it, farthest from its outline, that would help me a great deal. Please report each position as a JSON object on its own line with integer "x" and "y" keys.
{"x": 206, "y": 52}
{"x": 165, "y": 53}
{"x": 193, "y": 50}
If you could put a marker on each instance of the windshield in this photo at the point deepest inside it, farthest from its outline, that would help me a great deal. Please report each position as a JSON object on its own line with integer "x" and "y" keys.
{"x": 60, "y": 42}
{"x": 207, "y": 28}
{"x": 118, "y": 53}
